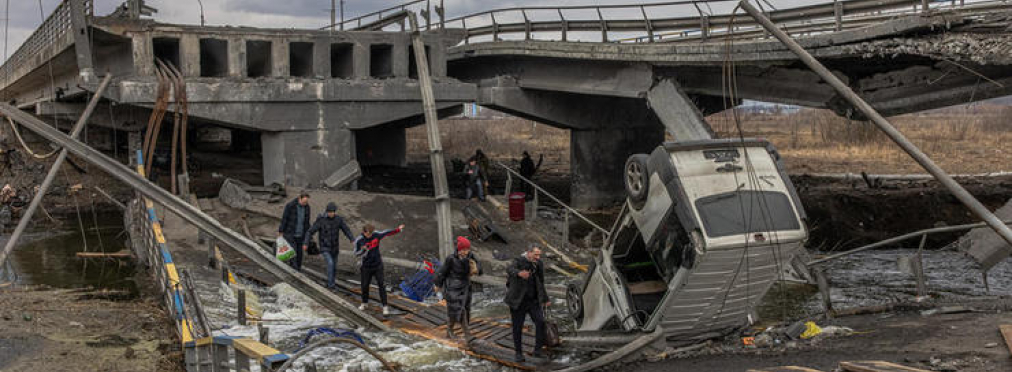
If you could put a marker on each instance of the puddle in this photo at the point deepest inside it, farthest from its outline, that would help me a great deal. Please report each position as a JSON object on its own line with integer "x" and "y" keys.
{"x": 47, "y": 257}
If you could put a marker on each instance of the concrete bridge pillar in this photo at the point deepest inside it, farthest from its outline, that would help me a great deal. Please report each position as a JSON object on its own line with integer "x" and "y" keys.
{"x": 597, "y": 160}
{"x": 305, "y": 158}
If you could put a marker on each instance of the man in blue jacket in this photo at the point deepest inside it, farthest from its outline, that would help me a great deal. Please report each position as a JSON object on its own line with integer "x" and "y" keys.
{"x": 367, "y": 250}
{"x": 329, "y": 225}
{"x": 295, "y": 225}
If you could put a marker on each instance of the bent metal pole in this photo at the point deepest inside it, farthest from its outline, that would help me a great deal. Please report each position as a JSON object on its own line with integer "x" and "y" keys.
{"x": 958, "y": 191}
{"x": 46, "y": 182}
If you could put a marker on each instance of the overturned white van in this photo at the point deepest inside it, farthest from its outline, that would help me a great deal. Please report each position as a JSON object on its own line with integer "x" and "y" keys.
{"x": 706, "y": 229}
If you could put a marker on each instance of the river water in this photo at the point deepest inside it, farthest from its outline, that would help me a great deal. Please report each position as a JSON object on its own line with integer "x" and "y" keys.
{"x": 47, "y": 256}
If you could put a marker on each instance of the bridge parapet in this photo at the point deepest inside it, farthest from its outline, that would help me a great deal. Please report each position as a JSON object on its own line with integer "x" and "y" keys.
{"x": 641, "y": 22}
{"x": 49, "y": 39}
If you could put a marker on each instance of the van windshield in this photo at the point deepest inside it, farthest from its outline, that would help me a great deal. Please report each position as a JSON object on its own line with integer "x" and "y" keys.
{"x": 746, "y": 211}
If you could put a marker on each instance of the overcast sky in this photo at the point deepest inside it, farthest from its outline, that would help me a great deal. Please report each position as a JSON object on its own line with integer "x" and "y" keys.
{"x": 25, "y": 14}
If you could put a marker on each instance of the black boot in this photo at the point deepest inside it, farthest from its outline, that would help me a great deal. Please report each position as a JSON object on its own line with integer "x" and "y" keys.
{"x": 519, "y": 357}
{"x": 449, "y": 331}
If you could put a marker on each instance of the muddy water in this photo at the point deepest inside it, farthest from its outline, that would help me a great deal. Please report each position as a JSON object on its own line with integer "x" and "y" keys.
{"x": 48, "y": 256}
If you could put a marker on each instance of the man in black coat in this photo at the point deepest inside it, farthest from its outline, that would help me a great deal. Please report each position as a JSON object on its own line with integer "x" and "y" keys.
{"x": 527, "y": 170}
{"x": 454, "y": 278}
{"x": 329, "y": 225}
{"x": 295, "y": 225}
{"x": 526, "y": 295}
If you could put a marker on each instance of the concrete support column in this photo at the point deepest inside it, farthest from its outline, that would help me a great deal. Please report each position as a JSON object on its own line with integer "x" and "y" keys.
{"x": 400, "y": 58}
{"x": 362, "y": 60}
{"x": 143, "y": 53}
{"x": 321, "y": 58}
{"x": 189, "y": 55}
{"x": 597, "y": 161}
{"x": 236, "y": 57}
{"x": 381, "y": 145}
{"x": 305, "y": 158}
{"x": 437, "y": 59}
{"x": 279, "y": 57}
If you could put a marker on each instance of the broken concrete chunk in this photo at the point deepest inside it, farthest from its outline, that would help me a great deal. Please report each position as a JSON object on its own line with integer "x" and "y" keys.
{"x": 983, "y": 244}
{"x": 346, "y": 175}
{"x": 233, "y": 194}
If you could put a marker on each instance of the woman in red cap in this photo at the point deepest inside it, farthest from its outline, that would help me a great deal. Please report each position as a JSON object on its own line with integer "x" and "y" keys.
{"x": 455, "y": 276}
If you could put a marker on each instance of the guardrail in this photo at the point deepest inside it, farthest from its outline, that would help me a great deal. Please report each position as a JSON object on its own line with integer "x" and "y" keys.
{"x": 832, "y": 16}
{"x": 917, "y": 264}
{"x": 49, "y": 39}
{"x": 208, "y": 352}
{"x": 378, "y": 16}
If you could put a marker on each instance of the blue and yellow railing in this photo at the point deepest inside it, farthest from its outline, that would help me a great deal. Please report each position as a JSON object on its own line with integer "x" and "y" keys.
{"x": 210, "y": 353}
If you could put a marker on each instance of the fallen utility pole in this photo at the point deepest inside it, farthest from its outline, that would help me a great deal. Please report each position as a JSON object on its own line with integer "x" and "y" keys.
{"x": 955, "y": 188}
{"x": 57, "y": 164}
{"x": 197, "y": 218}
{"x": 435, "y": 146}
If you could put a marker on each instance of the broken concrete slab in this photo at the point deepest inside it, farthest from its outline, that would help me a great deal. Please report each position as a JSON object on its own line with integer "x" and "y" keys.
{"x": 344, "y": 176}
{"x": 233, "y": 194}
{"x": 983, "y": 242}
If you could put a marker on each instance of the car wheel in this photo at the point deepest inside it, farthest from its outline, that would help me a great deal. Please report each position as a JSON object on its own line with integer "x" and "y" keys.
{"x": 574, "y": 302}
{"x": 637, "y": 179}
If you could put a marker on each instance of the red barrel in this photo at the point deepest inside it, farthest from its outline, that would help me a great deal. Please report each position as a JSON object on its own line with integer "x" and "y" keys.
{"x": 517, "y": 206}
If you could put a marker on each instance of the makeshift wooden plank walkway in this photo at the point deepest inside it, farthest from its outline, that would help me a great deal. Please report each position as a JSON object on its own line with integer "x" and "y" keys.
{"x": 491, "y": 339}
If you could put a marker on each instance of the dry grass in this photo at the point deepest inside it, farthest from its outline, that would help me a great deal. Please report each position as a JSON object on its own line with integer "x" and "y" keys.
{"x": 960, "y": 140}
{"x": 973, "y": 139}
{"x": 502, "y": 140}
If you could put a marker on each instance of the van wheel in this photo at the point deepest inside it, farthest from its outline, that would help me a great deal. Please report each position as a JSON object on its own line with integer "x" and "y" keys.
{"x": 637, "y": 179}
{"x": 574, "y": 302}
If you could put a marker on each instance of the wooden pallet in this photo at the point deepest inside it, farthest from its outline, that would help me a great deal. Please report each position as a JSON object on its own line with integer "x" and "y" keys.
{"x": 876, "y": 366}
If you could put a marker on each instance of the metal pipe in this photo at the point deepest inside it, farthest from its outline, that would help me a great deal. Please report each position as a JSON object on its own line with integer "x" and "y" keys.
{"x": 955, "y": 188}
{"x": 899, "y": 239}
{"x": 57, "y": 164}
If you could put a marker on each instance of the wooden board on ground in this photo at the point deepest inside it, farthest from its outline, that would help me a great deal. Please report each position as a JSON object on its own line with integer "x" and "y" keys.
{"x": 876, "y": 366}
{"x": 1006, "y": 331}
{"x": 785, "y": 369}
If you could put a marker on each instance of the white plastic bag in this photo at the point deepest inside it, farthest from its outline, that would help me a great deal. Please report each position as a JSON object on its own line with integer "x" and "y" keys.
{"x": 283, "y": 250}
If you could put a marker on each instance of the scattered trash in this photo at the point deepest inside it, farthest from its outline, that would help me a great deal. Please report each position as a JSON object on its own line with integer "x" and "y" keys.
{"x": 991, "y": 345}
{"x": 811, "y": 330}
{"x": 748, "y": 341}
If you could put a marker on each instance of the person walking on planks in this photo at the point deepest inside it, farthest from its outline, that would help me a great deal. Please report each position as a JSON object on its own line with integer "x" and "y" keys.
{"x": 455, "y": 277}
{"x": 295, "y": 225}
{"x": 526, "y": 295}
{"x": 329, "y": 225}
{"x": 367, "y": 250}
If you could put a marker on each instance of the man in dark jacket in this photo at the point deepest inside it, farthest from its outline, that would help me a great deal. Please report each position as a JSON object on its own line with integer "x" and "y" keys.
{"x": 329, "y": 225}
{"x": 476, "y": 180}
{"x": 527, "y": 170}
{"x": 454, "y": 278}
{"x": 295, "y": 225}
{"x": 526, "y": 295}
{"x": 367, "y": 250}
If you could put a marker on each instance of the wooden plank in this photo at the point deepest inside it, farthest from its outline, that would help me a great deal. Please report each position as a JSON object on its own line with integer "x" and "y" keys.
{"x": 1006, "y": 331}
{"x": 117, "y": 254}
{"x": 876, "y": 366}
{"x": 785, "y": 369}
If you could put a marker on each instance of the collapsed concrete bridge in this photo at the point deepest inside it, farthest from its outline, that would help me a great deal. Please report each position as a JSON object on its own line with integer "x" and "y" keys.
{"x": 320, "y": 98}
